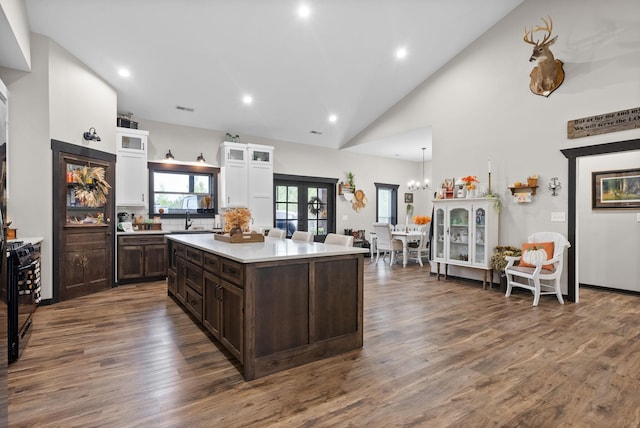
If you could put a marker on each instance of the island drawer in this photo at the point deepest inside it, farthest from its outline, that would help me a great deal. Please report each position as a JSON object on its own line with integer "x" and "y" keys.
{"x": 141, "y": 239}
{"x": 194, "y": 256}
{"x": 232, "y": 271}
{"x": 211, "y": 263}
{"x": 193, "y": 302}
{"x": 194, "y": 276}
{"x": 179, "y": 250}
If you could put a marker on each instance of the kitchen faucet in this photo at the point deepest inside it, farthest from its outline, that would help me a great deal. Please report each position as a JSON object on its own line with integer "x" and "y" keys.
{"x": 187, "y": 221}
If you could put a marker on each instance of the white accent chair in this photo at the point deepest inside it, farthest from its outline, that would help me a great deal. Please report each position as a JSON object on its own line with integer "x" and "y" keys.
{"x": 531, "y": 278}
{"x": 335, "y": 239}
{"x": 277, "y": 233}
{"x": 302, "y": 236}
{"x": 385, "y": 242}
{"x": 420, "y": 249}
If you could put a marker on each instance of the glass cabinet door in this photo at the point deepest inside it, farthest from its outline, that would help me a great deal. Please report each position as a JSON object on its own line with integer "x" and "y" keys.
{"x": 85, "y": 205}
{"x": 439, "y": 232}
{"x": 479, "y": 236}
{"x": 235, "y": 154}
{"x": 131, "y": 142}
{"x": 260, "y": 156}
{"x": 459, "y": 232}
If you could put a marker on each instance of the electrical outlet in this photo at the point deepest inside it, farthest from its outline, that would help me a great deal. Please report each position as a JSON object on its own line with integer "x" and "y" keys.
{"x": 638, "y": 217}
{"x": 345, "y": 217}
{"x": 557, "y": 216}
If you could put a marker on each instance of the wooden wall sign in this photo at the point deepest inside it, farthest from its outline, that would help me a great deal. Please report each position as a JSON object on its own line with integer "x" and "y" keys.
{"x": 604, "y": 123}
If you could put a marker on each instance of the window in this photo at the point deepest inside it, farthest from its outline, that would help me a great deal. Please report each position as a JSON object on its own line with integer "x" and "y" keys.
{"x": 386, "y": 203}
{"x": 305, "y": 203}
{"x": 175, "y": 189}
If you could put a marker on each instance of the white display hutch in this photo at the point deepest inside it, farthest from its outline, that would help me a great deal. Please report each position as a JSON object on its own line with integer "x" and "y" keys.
{"x": 247, "y": 180}
{"x": 131, "y": 167}
{"x": 465, "y": 234}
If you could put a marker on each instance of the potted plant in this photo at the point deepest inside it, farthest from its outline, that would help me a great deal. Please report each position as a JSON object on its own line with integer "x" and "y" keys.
{"x": 498, "y": 261}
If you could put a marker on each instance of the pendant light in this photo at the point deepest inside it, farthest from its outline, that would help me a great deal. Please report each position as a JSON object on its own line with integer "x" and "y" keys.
{"x": 415, "y": 185}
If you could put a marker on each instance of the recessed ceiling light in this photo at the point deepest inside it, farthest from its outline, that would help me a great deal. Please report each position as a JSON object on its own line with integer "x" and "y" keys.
{"x": 401, "y": 53}
{"x": 304, "y": 11}
{"x": 123, "y": 72}
{"x": 333, "y": 118}
{"x": 247, "y": 99}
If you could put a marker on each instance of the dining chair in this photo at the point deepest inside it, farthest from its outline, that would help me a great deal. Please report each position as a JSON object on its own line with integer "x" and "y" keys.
{"x": 385, "y": 242}
{"x": 277, "y": 233}
{"x": 335, "y": 239}
{"x": 302, "y": 236}
{"x": 421, "y": 248}
{"x": 549, "y": 270}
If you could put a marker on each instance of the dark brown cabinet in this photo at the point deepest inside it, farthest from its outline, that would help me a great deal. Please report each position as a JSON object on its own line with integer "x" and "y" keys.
{"x": 141, "y": 258}
{"x": 210, "y": 288}
{"x": 83, "y": 242}
{"x": 275, "y": 314}
{"x": 224, "y": 303}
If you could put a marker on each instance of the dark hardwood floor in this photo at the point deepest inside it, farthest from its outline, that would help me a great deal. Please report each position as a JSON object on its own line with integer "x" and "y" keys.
{"x": 436, "y": 354}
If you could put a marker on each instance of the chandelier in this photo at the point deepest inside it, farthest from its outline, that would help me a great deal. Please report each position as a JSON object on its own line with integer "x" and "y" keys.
{"x": 417, "y": 185}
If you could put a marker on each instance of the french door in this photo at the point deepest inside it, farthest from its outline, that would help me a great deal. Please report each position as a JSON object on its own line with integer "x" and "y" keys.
{"x": 305, "y": 203}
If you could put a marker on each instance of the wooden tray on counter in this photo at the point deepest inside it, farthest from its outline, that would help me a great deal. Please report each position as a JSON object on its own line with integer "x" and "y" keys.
{"x": 240, "y": 237}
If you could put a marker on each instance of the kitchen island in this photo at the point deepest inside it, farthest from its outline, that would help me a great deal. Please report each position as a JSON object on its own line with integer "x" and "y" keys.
{"x": 275, "y": 304}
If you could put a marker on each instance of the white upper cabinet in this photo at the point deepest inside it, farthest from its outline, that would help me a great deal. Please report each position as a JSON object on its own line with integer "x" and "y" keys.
{"x": 234, "y": 175}
{"x": 246, "y": 180}
{"x": 131, "y": 167}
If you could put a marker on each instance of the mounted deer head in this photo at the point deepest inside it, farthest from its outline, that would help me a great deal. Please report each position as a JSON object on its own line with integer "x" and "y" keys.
{"x": 548, "y": 75}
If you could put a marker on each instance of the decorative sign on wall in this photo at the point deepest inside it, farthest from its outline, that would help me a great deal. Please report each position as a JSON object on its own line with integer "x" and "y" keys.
{"x": 604, "y": 123}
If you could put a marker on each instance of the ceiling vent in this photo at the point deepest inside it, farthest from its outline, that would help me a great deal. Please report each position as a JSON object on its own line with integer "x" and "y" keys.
{"x": 313, "y": 131}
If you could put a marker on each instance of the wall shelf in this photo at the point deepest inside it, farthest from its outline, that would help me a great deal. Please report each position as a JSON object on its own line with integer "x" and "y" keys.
{"x": 345, "y": 188}
{"x": 515, "y": 190}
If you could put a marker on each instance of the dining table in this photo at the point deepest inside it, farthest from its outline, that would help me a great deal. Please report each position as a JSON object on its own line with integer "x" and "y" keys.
{"x": 406, "y": 236}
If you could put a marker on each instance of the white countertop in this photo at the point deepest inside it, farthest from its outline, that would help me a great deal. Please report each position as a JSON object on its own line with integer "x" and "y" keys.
{"x": 271, "y": 249}
{"x": 164, "y": 232}
{"x": 33, "y": 240}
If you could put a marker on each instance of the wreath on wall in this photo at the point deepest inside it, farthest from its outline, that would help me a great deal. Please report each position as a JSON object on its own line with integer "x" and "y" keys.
{"x": 314, "y": 205}
{"x": 90, "y": 186}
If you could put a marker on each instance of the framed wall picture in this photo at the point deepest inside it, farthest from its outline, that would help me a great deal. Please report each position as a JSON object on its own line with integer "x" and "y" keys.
{"x": 408, "y": 198}
{"x": 618, "y": 189}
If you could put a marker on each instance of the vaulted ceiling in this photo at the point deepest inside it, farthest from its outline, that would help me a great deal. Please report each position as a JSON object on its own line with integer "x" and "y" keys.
{"x": 191, "y": 62}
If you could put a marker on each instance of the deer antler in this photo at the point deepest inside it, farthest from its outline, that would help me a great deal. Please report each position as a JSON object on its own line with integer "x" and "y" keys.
{"x": 548, "y": 27}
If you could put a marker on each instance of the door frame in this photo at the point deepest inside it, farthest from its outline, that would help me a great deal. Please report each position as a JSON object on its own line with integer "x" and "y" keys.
{"x": 572, "y": 156}
{"x": 305, "y": 181}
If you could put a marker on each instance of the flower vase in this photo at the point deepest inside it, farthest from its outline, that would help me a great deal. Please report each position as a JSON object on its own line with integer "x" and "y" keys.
{"x": 235, "y": 230}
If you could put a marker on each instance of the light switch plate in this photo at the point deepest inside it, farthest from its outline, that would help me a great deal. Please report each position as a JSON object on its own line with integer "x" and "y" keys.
{"x": 345, "y": 217}
{"x": 557, "y": 216}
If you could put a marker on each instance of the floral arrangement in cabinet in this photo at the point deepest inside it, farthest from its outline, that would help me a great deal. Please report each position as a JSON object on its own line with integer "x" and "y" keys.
{"x": 91, "y": 188}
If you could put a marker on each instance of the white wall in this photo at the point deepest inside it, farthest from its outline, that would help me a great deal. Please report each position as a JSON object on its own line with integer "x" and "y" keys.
{"x": 480, "y": 106}
{"x": 59, "y": 99}
{"x": 186, "y": 143}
